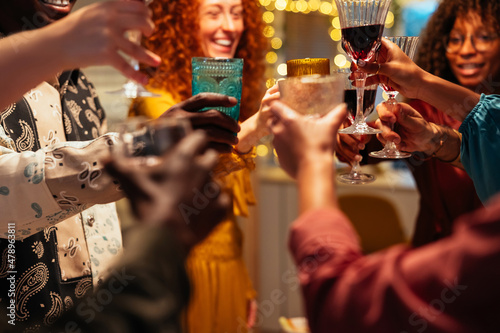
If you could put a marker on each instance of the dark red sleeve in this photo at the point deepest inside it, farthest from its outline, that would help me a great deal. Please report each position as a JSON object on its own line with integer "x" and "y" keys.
{"x": 448, "y": 286}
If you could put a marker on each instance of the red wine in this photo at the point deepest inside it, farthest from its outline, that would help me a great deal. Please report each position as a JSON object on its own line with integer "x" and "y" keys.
{"x": 350, "y": 98}
{"x": 359, "y": 42}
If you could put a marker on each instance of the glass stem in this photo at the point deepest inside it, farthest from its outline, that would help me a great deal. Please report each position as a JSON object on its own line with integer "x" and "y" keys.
{"x": 135, "y": 37}
{"x": 355, "y": 169}
{"x": 391, "y": 103}
{"x": 360, "y": 78}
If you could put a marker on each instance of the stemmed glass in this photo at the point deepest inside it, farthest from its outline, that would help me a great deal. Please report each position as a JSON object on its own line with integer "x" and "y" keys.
{"x": 362, "y": 23}
{"x": 408, "y": 45}
{"x": 132, "y": 89}
{"x": 355, "y": 176}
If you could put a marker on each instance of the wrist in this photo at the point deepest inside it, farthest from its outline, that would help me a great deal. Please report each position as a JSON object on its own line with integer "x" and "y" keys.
{"x": 446, "y": 144}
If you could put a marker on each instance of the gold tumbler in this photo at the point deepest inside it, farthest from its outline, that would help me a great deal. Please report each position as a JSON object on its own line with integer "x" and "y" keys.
{"x": 308, "y": 66}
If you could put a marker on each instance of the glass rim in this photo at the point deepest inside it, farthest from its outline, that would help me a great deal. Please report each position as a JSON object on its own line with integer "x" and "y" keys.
{"x": 216, "y": 59}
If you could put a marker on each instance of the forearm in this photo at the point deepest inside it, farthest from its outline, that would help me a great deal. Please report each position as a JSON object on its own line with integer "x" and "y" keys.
{"x": 27, "y": 59}
{"x": 316, "y": 185}
{"x": 454, "y": 100}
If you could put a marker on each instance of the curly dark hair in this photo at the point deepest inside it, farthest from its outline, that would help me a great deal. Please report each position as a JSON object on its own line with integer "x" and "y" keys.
{"x": 432, "y": 48}
{"x": 175, "y": 40}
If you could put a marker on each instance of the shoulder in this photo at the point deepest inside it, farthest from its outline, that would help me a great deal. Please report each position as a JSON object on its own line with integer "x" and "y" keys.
{"x": 153, "y": 107}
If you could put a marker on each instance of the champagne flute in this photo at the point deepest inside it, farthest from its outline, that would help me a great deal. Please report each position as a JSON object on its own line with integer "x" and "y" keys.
{"x": 356, "y": 176}
{"x": 132, "y": 89}
{"x": 362, "y": 23}
{"x": 408, "y": 45}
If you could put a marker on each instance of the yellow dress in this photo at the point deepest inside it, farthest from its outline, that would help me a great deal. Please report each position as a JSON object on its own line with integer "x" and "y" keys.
{"x": 221, "y": 285}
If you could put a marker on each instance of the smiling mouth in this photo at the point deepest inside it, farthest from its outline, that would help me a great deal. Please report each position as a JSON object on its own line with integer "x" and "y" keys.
{"x": 223, "y": 42}
{"x": 57, "y": 3}
{"x": 470, "y": 66}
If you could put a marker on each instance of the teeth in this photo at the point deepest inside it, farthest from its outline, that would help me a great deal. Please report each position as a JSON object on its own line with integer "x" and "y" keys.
{"x": 223, "y": 42}
{"x": 60, "y": 3}
{"x": 470, "y": 66}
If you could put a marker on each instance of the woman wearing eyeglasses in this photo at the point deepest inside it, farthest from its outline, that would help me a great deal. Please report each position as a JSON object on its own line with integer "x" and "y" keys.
{"x": 460, "y": 44}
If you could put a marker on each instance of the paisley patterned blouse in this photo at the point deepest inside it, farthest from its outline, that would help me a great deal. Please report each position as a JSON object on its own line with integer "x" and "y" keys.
{"x": 56, "y": 200}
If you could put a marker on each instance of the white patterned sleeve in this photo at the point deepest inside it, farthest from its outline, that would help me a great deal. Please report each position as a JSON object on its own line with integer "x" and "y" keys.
{"x": 39, "y": 189}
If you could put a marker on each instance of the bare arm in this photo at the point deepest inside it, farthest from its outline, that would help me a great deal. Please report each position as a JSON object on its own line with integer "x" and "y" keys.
{"x": 399, "y": 72}
{"x": 90, "y": 36}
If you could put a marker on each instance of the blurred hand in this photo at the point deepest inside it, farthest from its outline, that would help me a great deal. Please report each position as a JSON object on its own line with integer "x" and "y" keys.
{"x": 349, "y": 145}
{"x": 176, "y": 191}
{"x": 299, "y": 139}
{"x": 264, "y": 113}
{"x": 395, "y": 69}
{"x": 218, "y": 127}
{"x": 95, "y": 34}
{"x": 412, "y": 132}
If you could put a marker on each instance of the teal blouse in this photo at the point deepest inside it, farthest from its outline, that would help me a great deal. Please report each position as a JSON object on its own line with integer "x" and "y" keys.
{"x": 480, "y": 150}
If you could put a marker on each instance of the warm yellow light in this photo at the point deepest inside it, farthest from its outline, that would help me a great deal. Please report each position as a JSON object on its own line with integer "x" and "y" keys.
{"x": 270, "y": 82}
{"x": 275, "y": 153}
{"x": 264, "y": 2}
{"x": 262, "y": 150}
{"x": 385, "y": 96}
{"x": 340, "y": 60}
{"x": 276, "y": 43}
{"x": 293, "y": 6}
{"x": 336, "y": 22}
{"x": 268, "y": 17}
{"x": 270, "y": 7}
{"x": 269, "y": 31}
{"x": 301, "y": 5}
{"x": 336, "y": 35}
{"x": 346, "y": 65}
{"x": 326, "y": 8}
{"x": 314, "y": 5}
{"x": 390, "y": 18}
{"x": 271, "y": 57}
{"x": 389, "y": 25}
{"x": 281, "y": 69}
{"x": 280, "y": 4}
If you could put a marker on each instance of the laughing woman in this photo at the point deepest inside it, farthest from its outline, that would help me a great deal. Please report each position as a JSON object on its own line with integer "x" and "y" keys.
{"x": 224, "y": 299}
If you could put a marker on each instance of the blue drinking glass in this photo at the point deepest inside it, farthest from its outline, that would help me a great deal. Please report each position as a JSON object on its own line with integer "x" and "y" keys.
{"x": 219, "y": 75}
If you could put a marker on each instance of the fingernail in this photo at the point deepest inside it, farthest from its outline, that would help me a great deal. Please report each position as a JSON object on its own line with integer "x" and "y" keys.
{"x": 361, "y": 63}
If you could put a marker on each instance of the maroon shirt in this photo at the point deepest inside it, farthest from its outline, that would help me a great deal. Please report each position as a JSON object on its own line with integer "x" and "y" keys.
{"x": 446, "y": 192}
{"x": 448, "y": 286}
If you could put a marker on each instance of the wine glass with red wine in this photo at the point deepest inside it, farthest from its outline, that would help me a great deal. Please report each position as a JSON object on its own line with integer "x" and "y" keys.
{"x": 356, "y": 176}
{"x": 362, "y": 23}
{"x": 408, "y": 45}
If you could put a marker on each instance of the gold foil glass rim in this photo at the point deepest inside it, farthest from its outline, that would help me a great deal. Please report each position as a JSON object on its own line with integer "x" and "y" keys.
{"x": 308, "y": 66}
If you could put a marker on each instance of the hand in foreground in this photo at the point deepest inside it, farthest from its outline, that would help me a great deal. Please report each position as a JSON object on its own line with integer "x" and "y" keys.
{"x": 395, "y": 69}
{"x": 255, "y": 127}
{"x": 299, "y": 139}
{"x": 414, "y": 133}
{"x": 218, "y": 127}
{"x": 94, "y": 35}
{"x": 177, "y": 191}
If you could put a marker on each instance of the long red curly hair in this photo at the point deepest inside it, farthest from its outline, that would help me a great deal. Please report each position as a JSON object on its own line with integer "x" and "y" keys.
{"x": 175, "y": 40}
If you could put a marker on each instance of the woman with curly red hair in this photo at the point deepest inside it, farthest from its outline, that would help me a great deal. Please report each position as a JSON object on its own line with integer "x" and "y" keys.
{"x": 223, "y": 298}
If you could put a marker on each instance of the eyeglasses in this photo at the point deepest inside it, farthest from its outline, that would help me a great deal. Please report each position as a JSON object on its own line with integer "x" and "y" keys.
{"x": 481, "y": 42}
